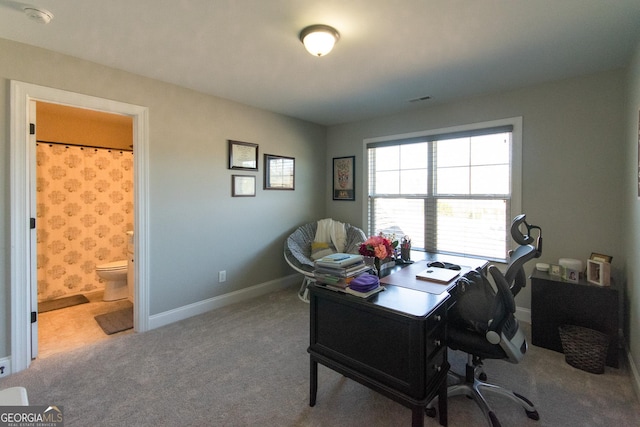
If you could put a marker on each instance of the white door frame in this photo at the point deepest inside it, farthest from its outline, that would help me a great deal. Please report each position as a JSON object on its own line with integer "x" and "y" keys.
{"x": 22, "y": 162}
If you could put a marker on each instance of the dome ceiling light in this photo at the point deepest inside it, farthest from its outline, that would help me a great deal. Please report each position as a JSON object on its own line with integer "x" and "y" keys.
{"x": 319, "y": 39}
{"x": 41, "y": 16}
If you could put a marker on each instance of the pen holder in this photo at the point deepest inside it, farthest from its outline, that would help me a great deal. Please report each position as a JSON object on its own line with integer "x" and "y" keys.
{"x": 405, "y": 251}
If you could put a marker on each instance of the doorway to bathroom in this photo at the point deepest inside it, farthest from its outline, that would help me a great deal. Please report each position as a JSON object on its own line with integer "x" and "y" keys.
{"x": 24, "y": 299}
{"x": 84, "y": 215}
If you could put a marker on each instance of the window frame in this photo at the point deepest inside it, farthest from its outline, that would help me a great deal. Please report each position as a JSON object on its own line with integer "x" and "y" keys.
{"x": 515, "y": 205}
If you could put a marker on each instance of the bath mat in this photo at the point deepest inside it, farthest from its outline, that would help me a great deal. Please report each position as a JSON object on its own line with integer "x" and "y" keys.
{"x": 59, "y": 303}
{"x": 116, "y": 321}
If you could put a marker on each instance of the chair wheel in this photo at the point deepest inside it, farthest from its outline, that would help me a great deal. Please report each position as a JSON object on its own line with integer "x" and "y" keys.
{"x": 533, "y": 415}
{"x": 482, "y": 376}
{"x": 430, "y": 412}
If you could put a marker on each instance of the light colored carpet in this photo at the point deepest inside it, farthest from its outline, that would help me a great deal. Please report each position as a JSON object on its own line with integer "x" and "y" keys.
{"x": 247, "y": 365}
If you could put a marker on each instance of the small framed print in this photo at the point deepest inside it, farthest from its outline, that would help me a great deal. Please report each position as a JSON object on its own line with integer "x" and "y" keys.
{"x": 243, "y": 155}
{"x": 570, "y": 275}
{"x": 600, "y": 257}
{"x": 554, "y": 270}
{"x": 344, "y": 187}
{"x": 243, "y": 186}
{"x": 279, "y": 172}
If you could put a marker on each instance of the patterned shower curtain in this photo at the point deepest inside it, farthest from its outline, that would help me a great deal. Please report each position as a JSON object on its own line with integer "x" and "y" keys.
{"x": 84, "y": 199}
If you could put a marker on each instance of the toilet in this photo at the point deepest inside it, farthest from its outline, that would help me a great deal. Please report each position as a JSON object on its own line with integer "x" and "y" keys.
{"x": 115, "y": 276}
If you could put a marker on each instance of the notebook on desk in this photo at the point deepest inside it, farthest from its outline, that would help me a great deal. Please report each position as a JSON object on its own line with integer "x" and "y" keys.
{"x": 438, "y": 275}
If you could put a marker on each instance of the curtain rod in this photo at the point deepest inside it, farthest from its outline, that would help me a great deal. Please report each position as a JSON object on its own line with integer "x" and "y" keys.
{"x": 83, "y": 146}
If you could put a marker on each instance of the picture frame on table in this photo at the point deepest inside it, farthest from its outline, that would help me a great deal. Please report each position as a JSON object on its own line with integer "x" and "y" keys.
{"x": 243, "y": 186}
{"x": 570, "y": 275}
{"x": 243, "y": 155}
{"x": 600, "y": 257}
{"x": 555, "y": 270}
{"x": 344, "y": 185}
{"x": 279, "y": 172}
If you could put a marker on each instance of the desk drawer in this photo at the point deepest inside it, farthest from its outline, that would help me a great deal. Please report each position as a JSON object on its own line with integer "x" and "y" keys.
{"x": 437, "y": 319}
{"x": 435, "y": 365}
{"x": 435, "y": 339}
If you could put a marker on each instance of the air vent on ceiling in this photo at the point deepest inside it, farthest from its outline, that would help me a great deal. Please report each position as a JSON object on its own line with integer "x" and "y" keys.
{"x": 422, "y": 98}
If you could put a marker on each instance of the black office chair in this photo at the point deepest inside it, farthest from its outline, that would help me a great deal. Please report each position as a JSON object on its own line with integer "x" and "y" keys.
{"x": 483, "y": 325}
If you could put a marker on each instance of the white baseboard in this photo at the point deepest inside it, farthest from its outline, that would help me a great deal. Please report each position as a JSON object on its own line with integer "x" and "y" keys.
{"x": 5, "y": 364}
{"x": 523, "y": 314}
{"x": 200, "y": 307}
{"x": 635, "y": 374}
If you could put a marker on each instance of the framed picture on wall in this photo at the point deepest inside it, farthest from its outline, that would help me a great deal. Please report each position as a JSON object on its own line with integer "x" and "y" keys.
{"x": 243, "y": 186}
{"x": 243, "y": 155}
{"x": 344, "y": 186}
{"x": 279, "y": 172}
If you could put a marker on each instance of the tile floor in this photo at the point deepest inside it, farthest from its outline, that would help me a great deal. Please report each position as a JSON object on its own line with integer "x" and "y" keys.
{"x": 73, "y": 327}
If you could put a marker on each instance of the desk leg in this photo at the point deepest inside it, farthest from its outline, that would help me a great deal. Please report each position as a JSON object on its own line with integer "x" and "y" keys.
{"x": 313, "y": 382}
{"x": 417, "y": 416}
{"x": 442, "y": 403}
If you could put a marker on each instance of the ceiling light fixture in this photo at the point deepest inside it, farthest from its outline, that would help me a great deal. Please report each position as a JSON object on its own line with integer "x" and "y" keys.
{"x": 319, "y": 39}
{"x": 41, "y": 16}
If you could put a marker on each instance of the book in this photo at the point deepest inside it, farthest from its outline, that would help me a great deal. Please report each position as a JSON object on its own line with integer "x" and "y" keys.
{"x": 364, "y": 294}
{"x": 340, "y": 260}
{"x": 352, "y": 270}
{"x": 438, "y": 275}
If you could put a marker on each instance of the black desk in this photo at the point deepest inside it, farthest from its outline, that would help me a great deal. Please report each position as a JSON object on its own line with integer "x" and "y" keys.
{"x": 393, "y": 342}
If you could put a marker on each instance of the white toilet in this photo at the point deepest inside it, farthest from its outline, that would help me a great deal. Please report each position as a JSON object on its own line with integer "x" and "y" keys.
{"x": 115, "y": 276}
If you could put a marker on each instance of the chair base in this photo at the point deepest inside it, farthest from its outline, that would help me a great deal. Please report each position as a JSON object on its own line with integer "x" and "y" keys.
{"x": 303, "y": 293}
{"x": 469, "y": 385}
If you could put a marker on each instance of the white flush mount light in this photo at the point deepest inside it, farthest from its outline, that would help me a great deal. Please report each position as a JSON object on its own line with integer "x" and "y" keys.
{"x": 319, "y": 39}
{"x": 41, "y": 16}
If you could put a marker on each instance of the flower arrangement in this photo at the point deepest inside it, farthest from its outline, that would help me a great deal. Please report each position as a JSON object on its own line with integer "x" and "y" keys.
{"x": 380, "y": 247}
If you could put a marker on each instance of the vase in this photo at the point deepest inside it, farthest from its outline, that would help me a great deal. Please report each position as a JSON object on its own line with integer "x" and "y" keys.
{"x": 376, "y": 263}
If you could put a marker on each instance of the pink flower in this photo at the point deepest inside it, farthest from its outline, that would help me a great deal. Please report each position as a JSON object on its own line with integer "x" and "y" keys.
{"x": 378, "y": 246}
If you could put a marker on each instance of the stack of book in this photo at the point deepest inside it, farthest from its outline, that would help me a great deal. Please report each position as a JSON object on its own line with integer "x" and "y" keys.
{"x": 337, "y": 270}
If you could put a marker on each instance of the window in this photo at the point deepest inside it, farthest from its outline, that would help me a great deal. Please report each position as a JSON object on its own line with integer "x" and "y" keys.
{"x": 452, "y": 191}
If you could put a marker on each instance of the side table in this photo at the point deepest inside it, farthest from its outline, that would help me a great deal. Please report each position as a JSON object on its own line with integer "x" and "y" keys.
{"x": 555, "y": 302}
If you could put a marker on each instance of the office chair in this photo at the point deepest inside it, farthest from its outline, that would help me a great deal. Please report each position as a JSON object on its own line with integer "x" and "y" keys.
{"x": 483, "y": 325}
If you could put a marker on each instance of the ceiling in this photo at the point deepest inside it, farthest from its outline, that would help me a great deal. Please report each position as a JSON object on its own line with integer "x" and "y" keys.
{"x": 390, "y": 52}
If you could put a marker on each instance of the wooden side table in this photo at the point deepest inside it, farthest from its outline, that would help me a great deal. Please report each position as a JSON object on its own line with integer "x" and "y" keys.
{"x": 555, "y": 302}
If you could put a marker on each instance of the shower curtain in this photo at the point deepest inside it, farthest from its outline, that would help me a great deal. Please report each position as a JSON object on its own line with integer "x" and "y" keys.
{"x": 84, "y": 205}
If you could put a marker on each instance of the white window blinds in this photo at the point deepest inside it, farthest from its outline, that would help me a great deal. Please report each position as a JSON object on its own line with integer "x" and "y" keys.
{"x": 450, "y": 192}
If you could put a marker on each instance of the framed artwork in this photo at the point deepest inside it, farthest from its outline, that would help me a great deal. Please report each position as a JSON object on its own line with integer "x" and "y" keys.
{"x": 243, "y": 155}
{"x": 600, "y": 257}
{"x": 344, "y": 187}
{"x": 243, "y": 186}
{"x": 279, "y": 172}
{"x": 555, "y": 270}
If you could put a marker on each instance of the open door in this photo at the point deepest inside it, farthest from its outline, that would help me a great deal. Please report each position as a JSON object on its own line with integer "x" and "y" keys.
{"x": 24, "y": 289}
{"x": 33, "y": 266}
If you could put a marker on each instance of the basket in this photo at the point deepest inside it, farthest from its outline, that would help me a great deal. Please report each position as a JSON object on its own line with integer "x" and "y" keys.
{"x": 584, "y": 348}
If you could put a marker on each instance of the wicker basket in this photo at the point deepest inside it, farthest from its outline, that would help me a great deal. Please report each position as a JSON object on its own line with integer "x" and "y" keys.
{"x": 584, "y": 348}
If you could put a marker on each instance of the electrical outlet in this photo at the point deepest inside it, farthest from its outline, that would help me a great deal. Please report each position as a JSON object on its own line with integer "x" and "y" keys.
{"x": 5, "y": 367}
{"x": 222, "y": 276}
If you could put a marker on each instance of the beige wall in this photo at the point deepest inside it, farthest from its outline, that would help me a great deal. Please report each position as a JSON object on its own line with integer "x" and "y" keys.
{"x": 631, "y": 221}
{"x": 196, "y": 228}
{"x": 573, "y": 151}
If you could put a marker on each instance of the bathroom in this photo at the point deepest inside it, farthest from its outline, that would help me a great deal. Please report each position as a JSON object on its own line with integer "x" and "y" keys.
{"x": 84, "y": 223}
